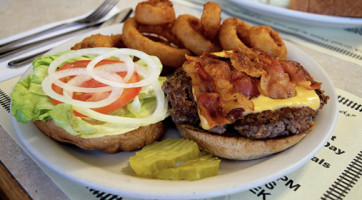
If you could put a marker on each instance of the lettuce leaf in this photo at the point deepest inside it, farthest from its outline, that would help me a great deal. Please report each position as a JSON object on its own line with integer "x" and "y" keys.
{"x": 30, "y": 103}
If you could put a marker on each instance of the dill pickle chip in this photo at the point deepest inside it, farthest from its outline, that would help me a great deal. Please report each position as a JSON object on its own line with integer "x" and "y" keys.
{"x": 195, "y": 169}
{"x": 165, "y": 154}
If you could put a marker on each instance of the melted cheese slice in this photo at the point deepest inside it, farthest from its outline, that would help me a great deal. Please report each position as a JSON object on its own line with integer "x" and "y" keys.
{"x": 304, "y": 98}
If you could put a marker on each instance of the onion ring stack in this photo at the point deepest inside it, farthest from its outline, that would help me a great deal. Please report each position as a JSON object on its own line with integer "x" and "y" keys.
{"x": 156, "y": 31}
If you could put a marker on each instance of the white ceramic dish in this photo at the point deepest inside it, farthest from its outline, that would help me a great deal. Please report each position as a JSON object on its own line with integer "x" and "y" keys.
{"x": 300, "y": 17}
{"x": 112, "y": 173}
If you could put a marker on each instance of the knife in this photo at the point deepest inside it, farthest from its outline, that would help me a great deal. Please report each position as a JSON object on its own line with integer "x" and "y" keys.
{"x": 119, "y": 18}
{"x": 116, "y": 19}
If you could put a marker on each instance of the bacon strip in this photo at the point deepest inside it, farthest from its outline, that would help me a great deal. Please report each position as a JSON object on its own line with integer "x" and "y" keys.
{"x": 299, "y": 75}
{"x": 224, "y": 86}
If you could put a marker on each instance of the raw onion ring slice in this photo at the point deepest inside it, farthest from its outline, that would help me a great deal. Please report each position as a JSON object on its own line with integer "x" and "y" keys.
{"x": 158, "y": 114}
{"x": 50, "y": 79}
{"x": 107, "y": 74}
{"x": 63, "y": 58}
{"x": 154, "y": 70}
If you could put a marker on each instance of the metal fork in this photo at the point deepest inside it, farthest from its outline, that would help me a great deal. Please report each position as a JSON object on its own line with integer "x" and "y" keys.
{"x": 118, "y": 18}
{"x": 96, "y": 15}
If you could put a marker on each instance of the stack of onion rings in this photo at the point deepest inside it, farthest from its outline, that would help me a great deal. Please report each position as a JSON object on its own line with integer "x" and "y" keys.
{"x": 156, "y": 31}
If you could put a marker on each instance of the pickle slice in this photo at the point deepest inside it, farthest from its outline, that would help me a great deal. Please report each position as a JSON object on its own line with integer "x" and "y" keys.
{"x": 205, "y": 166}
{"x": 165, "y": 154}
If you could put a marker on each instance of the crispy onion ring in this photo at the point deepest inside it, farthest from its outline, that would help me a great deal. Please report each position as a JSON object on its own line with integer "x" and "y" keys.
{"x": 235, "y": 34}
{"x": 99, "y": 40}
{"x": 210, "y": 20}
{"x": 155, "y": 12}
{"x": 163, "y": 30}
{"x": 230, "y": 31}
{"x": 268, "y": 40}
{"x": 169, "y": 56}
{"x": 187, "y": 29}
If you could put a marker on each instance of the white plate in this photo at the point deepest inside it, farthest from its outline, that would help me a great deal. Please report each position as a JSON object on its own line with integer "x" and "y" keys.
{"x": 112, "y": 173}
{"x": 300, "y": 17}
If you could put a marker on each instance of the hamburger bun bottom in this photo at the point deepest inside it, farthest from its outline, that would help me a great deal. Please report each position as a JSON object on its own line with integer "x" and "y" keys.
{"x": 237, "y": 148}
{"x": 132, "y": 140}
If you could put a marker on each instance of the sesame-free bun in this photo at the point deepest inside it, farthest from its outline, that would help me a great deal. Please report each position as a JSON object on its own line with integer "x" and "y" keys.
{"x": 237, "y": 147}
{"x": 129, "y": 141}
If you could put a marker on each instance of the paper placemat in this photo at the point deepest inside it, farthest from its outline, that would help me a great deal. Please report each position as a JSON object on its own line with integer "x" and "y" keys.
{"x": 334, "y": 173}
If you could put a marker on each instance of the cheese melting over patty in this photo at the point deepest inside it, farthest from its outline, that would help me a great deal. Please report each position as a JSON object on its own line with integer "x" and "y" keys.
{"x": 304, "y": 98}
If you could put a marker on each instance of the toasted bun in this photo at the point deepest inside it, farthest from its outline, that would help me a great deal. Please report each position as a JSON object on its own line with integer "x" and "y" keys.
{"x": 129, "y": 141}
{"x": 237, "y": 148}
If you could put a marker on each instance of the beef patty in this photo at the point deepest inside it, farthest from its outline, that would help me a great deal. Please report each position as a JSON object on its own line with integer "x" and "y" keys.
{"x": 265, "y": 125}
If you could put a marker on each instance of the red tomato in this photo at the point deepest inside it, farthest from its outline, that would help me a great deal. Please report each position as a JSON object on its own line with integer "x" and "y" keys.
{"x": 127, "y": 95}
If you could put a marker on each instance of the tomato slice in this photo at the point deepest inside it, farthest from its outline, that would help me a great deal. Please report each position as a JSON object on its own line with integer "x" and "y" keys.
{"x": 127, "y": 95}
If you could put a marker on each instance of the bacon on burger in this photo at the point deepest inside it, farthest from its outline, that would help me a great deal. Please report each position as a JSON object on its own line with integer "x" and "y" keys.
{"x": 243, "y": 105}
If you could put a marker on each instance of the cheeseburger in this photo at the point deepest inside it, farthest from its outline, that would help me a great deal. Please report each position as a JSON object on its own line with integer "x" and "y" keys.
{"x": 243, "y": 105}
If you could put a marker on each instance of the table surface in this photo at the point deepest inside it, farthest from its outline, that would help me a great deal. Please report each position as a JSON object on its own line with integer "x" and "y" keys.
{"x": 18, "y": 16}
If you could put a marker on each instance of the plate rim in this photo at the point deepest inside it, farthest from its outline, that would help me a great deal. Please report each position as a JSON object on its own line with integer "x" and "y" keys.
{"x": 303, "y": 17}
